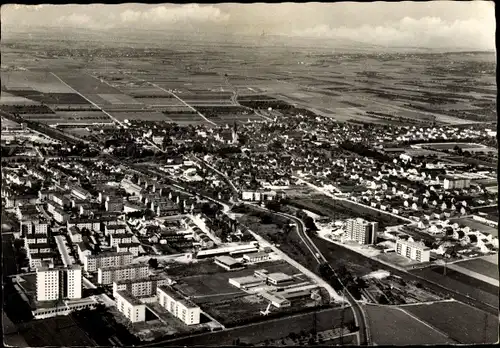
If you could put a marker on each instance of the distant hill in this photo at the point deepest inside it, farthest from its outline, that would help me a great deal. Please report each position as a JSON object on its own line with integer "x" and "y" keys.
{"x": 161, "y": 38}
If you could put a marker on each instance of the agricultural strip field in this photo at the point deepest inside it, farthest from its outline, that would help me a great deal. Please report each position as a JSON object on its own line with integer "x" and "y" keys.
{"x": 473, "y": 274}
{"x": 187, "y": 119}
{"x": 481, "y": 266}
{"x": 259, "y": 332}
{"x": 461, "y": 283}
{"x": 391, "y": 326}
{"x": 142, "y": 116}
{"x": 460, "y": 322}
{"x": 44, "y": 82}
{"x": 86, "y": 84}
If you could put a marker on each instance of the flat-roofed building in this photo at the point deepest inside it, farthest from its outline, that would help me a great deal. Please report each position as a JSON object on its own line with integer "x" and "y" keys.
{"x": 181, "y": 308}
{"x": 38, "y": 259}
{"x": 133, "y": 309}
{"x": 119, "y": 238}
{"x": 276, "y": 300}
{"x": 412, "y": 249}
{"x": 140, "y": 287}
{"x": 58, "y": 283}
{"x": 228, "y": 263}
{"x": 278, "y": 278}
{"x": 115, "y": 229}
{"x": 35, "y": 238}
{"x": 80, "y": 223}
{"x": 106, "y": 259}
{"x": 256, "y": 257}
{"x": 74, "y": 235}
{"x": 246, "y": 282}
{"x": 361, "y": 231}
{"x": 107, "y": 275}
{"x": 133, "y": 248}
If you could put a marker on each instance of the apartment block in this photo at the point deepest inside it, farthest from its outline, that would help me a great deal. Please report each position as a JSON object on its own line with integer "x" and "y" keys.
{"x": 361, "y": 231}
{"x": 107, "y": 259}
{"x": 140, "y": 287}
{"x": 414, "y": 250}
{"x": 107, "y": 275}
{"x": 181, "y": 308}
{"x": 132, "y": 248}
{"x": 58, "y": 283}
{"x": 132, "y": 308}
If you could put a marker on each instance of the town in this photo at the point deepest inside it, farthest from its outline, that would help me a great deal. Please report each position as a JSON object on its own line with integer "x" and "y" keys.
{"x": 140, "y": 210}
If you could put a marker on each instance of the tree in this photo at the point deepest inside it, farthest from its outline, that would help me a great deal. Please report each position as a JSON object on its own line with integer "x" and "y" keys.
{"x": 153, "y": 263}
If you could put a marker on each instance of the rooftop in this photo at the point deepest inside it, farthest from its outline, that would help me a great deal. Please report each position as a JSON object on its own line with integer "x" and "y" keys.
{"x": 127, "y": 296}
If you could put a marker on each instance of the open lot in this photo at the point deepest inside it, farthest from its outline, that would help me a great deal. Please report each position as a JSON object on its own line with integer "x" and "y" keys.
{"x": 57, "y": 331}
{"x": 462, "y": 323}
{"x": 481, "y": 266}
{"x": 281, "y": 327}
{"x": 392, "y": 326}
{"x": 35, "y": 80}
{"x": 461, "y": 283}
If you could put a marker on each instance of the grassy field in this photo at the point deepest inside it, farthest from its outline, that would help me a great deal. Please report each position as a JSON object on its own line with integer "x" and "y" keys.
{"x": 57, "y": 331}
{"x": 462, "y": 323}
{"x": 259, "y": 332}
{"x": 391, "y": 326}
{"x": 461, "y": 283}
{"x": 480, "y": 266}
{"x": 451, "y": 146}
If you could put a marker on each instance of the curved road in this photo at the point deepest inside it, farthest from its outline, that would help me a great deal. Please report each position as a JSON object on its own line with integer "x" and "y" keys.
{"x": 364, "y": 331}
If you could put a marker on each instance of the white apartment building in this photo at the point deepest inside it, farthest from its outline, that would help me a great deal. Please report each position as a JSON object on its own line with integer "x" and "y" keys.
{"x": 106, "y": 259}
{"x": 115, "y": 229}
{"x": 361, "y": 231}
{"x": 90, "y": 224}
{"x": 35, "y": 238}
{"x": 32, "y": 227}
{"x": 132, "y": 308}
{"x": 140, "y": 287}
{"x": 181, "y": 308}
{"x": 109, "y": 275}
{"x": 119, "y": 238}
{"x": 450, "y": 183}
{"x": 37, "y": 259}
{"x": 58, "y": 283}
{"x": 132, "y": 248}
{"x": 413, "y": 250}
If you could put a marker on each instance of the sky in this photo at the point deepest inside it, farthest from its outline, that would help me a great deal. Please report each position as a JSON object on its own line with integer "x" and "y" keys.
{"x": 432, "y": 24}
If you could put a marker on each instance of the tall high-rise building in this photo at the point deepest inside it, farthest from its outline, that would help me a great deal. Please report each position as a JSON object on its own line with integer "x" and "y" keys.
{"x": 361, "y": 231}
{"x": 58, "y": 283}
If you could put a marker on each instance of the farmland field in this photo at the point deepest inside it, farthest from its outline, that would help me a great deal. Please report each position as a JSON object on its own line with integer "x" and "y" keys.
{"x": 464, "y": 324}
{"x": 392, "y": 326}
{"x": 461, "y": 283}
{"x": 480, "y": 266}
{"x": 86, "y": 84}
{"x": 142, "y": 116}
{"x": 39, "y": 81}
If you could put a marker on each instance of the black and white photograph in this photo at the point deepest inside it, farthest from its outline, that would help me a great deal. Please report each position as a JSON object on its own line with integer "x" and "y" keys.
{"x": 249, "y": 174}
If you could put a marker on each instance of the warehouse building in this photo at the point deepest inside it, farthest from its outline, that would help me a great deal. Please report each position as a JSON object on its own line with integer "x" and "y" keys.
{"x": 228, "y": 263}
